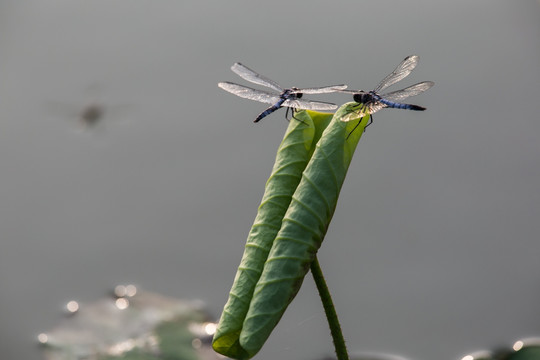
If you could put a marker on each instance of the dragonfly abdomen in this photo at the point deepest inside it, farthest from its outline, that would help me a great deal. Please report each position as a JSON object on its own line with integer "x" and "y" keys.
{"x": 286, "y": 95}
{"x": 396, "y": 105}
{"x": 271, "y": 109}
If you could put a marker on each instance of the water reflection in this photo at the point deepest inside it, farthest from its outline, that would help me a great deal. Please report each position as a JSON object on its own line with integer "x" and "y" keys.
{"x": 478, "y": 355}
{"x": 122, "y": 303}
{"x": 72, "y": 306}
{"x": 196, "y": 343}
{"x": 524, "y": 349}
{"x": 527, "y": 342}
{"x": 373, "y": 356}
{"x": 210, "y": 328}
{"x": 132, "y": 324}
{"x": 125, "y": 290}
{"x": 43, "y": 338}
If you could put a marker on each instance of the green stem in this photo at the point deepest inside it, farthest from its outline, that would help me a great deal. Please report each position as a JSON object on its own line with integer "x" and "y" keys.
{"x": 330, "y": 310}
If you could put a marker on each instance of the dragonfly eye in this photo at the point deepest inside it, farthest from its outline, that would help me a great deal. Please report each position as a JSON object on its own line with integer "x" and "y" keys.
{"x": 299, "y": 95}
{"x": 359, "y": 98}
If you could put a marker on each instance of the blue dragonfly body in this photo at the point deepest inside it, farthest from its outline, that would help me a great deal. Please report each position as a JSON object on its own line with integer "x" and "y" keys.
{"x": 290, "y": 98}
{"x": 287, "y": 94}
{"x": 372, "y": 101}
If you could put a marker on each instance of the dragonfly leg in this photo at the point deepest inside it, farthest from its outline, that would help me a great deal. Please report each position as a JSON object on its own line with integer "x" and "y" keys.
{"x": 369, "y": 123}
{"x": 353, "y": 129}
{"x": 293, "y": 111}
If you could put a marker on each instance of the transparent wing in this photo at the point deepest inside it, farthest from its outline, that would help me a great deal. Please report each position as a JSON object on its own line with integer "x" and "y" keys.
{"x": 408, "y": 92}
{"x": 401, "y": 72}
{"x": 249, "y": 93}
{"x": 309, "y": 105}
{"x": 374, "y": 107}
{"x": 322, "y": 90}
{"x": 362, "y": 110}
{"x": 352, "y": 91}
{"x": 247, "y": 74}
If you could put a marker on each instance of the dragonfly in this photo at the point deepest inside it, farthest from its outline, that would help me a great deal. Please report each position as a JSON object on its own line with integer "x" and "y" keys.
{"x": 290, "y": 98}
{"x": 372, "y": 101}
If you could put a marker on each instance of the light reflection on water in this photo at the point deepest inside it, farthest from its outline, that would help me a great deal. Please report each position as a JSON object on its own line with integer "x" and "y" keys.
{"x": 72, "y": 306}
{"x": 524, "y": 349}
{"x": 125, "y": 290}
{"x": 131, "y": 321}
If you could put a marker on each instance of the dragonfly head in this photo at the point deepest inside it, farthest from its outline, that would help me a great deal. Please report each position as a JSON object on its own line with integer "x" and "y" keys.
{"x": 362, "y": 97}
{"x": 293, "y": 92}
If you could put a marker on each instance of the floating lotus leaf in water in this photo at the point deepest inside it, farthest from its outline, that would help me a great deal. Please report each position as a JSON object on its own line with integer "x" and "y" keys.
{"x": 526, "y": 349}
{"x": 526, "y": 353}
{"x": 142, "y": 326}
{"x": 371, "y": 356}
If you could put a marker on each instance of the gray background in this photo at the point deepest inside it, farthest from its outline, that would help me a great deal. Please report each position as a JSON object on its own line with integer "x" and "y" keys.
{"x": 433, "y": 251}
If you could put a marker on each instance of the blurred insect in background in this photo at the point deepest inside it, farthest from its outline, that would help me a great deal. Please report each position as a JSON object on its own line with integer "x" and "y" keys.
{"x": 91, "y": 114}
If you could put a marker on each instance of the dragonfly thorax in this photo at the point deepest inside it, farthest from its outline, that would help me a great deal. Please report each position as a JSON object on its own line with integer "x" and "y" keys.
{"x": 363, "y": 98}
{"x": 292, "y": 93}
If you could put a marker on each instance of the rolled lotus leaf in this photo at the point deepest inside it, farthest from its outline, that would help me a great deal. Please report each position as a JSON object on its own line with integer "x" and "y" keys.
{"x": 302, "y": 231}
{"x": 292, "y": 157}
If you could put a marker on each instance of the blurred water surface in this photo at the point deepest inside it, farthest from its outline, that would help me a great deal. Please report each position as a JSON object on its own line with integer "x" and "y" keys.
{"x": 433, "y": 250}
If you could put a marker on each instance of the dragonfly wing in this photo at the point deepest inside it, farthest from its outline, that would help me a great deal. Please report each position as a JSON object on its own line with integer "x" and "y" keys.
{"x": 247, "y": 74}
{"x": 309, "y": 105}
{"x": 352, "y": 91}
{"x": 322, "y": 90}
{"x": 401, "y": 72}
{"x": 249, "y": 93}
{"x": 374, "y": 107}
{"x": 360, "y": 110}
{"x": 408, "y": 92}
